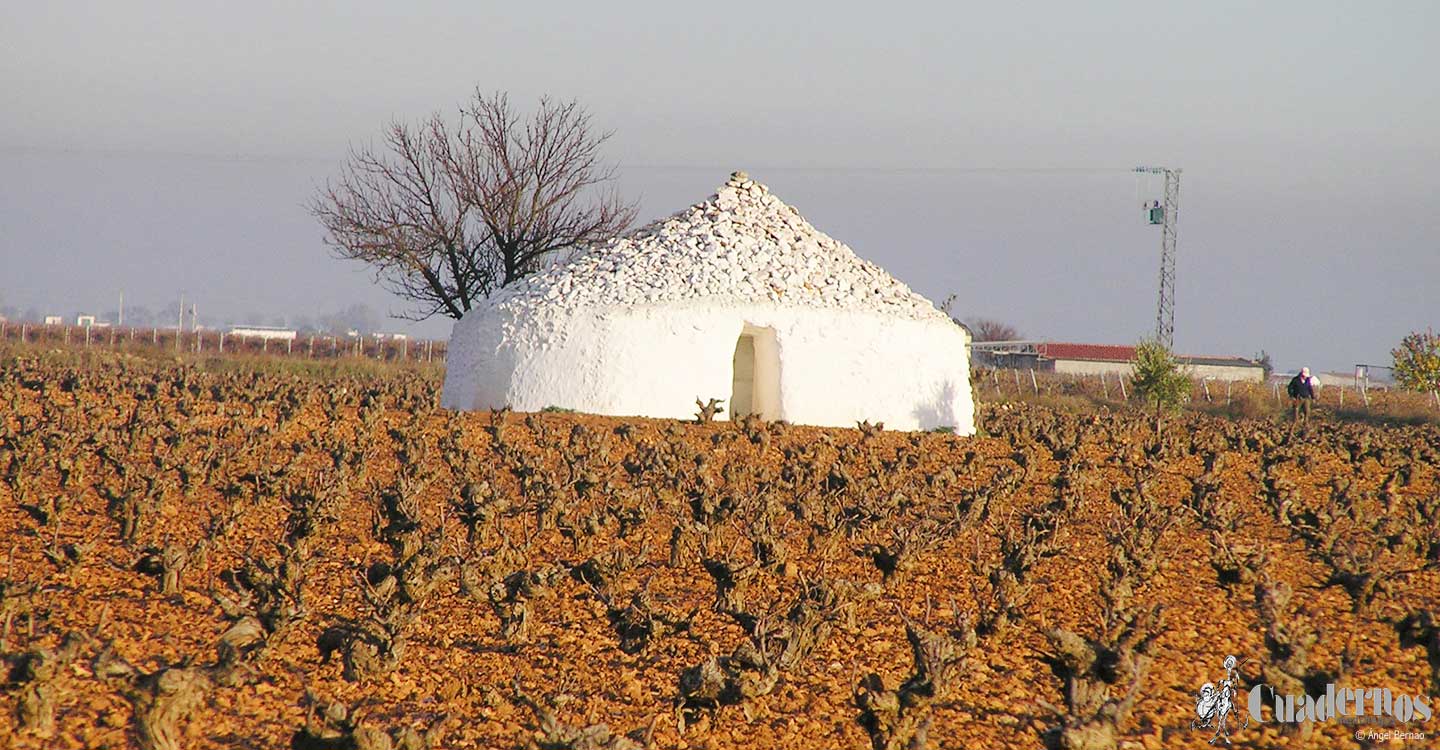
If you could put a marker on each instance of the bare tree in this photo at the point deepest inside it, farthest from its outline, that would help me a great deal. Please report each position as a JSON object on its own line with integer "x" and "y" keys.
{"x": 446, "y": 214}
{"x": 986, "y": 329}
{"x": 981, "y": 329}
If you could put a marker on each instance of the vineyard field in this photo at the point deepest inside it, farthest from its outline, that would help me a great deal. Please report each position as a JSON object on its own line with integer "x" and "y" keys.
{"x": 250, "y": 558}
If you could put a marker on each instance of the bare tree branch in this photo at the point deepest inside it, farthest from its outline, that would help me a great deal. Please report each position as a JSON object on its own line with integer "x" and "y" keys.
{"x": 446, "y": 215}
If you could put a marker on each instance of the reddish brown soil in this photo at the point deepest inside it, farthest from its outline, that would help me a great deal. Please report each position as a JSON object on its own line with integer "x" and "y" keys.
{"x": 256, "y": 441}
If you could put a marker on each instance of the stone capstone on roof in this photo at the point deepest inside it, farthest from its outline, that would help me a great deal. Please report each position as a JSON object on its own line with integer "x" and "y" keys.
{"x": 742, "y": 245}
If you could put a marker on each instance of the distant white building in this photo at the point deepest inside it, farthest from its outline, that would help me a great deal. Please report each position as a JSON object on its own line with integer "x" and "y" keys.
{"x": 263, "y": 332}
{"x": 1106, "y": 359}
{"x": 54, "y": 320}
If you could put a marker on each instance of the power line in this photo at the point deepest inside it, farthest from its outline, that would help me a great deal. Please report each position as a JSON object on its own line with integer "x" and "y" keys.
{"x": 885, "y": 170}
{"x": 243, "y": 156}
{"x": 217, "y": 156}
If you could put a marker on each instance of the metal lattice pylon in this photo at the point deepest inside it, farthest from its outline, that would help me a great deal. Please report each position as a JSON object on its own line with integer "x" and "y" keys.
{"x": 1165, "y": 310}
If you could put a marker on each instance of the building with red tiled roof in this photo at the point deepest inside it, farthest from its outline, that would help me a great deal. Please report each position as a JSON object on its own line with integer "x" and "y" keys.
{"x": 1096, "y": 359}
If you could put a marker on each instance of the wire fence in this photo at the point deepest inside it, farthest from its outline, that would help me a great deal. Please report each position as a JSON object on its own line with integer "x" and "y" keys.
{"x": 1258, "y": 399}
{"x": 221, "y": 342}
{"x": 995, "y": 385}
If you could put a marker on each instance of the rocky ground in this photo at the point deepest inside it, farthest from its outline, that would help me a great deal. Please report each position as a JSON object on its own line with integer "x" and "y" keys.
{"x": 202, "y": 559}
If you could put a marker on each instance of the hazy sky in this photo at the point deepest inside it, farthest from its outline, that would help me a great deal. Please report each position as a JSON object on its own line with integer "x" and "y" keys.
{"x": 161, "y": 147}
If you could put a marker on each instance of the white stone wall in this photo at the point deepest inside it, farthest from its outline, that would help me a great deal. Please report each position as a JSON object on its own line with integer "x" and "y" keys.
{"x": 836, "y": 367}
{"x": 1218, "y": 372}
{"x": 262, "y": 333}
{"x": 1222, "y": 372}
{"x": 1090, "y": 367}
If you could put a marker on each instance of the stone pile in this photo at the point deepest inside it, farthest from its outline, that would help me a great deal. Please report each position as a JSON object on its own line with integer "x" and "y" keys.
{"x": 743, "y": 245}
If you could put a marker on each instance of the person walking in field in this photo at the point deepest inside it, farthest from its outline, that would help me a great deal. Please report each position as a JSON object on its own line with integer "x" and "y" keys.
{"x": 1302, "y": 394}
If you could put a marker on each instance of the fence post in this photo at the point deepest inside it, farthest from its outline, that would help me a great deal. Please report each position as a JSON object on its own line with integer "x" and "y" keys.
{"x": 1206, "y": 385}
{"x": 1034, "y": 386}
{"x": 67, "y": 335}
{"x": 22, "y": 333}
{"x": 222, "y": 342}
{"x": 1123, "y": 395}
{"x": 1342, "y": 397}
{"x": 1277, "y": 393}
{"x": 1435, "y": 396}
{"x": 1365, "y": 395}
{"x": 1227, "y": 392}
{"x": 288, "y": 344}
{"x": 1104, "y": 385}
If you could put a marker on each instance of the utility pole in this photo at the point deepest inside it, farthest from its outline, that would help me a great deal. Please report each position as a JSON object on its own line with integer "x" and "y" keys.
{"x": 1169, "y": 212}
{"x": 121, "y": 321}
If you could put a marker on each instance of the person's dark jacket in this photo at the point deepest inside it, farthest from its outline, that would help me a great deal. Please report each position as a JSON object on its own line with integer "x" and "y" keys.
{"x": 1300, "y": 387}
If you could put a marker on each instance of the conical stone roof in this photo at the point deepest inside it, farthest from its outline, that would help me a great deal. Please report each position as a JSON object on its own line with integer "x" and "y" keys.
{"x": 742, "y": 245}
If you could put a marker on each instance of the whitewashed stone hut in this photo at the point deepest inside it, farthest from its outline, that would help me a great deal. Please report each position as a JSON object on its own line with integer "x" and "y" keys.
{"x": 737, "y": 298}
